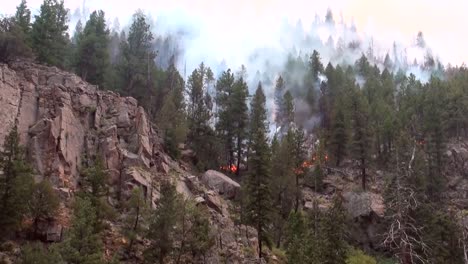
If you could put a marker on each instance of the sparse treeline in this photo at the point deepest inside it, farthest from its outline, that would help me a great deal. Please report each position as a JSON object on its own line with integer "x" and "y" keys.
{"x": 370, "y": 117}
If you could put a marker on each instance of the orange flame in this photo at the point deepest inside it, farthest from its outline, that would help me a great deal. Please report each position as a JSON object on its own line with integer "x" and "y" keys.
{"x": 231, "y": 168}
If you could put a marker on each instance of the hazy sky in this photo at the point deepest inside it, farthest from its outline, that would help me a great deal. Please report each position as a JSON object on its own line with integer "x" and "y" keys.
{"x": 444, "y": 23}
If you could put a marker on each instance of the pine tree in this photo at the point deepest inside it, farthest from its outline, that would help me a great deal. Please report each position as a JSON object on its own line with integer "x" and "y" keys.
{"x": 13, "y": 42}
{"x": 315, "y": 68}
{"x": 95, "y": 188}
{"x": 288, "y": 106}
{"x": 172, "y": 116}
{"x": 192, "y": 233}
{"x": 315, "y": 235}
{"x": 82, "y": 243}
{"x": 334, "y": 228}
{"x": 136, "y": 64}
{"x": 36, "y": 253}
{"x": 136, "y": 218}
{"x": 15, "y": 184}
{"x": 339, "y": 137}
{"x": 299, "y": 154}
{"x": 259, "y": 200}
{"x": 92, "y": 59}
{"x": 283, "y": 189}
{"x": 49, "y": 33}
{"x": 434, "y": 126}
{"x": 161, "y": 230}
{"x": 296, "y": 241}
{"x": 44, "y": 203}
{"x": 225, "y": 124}
{"x": 199, "y": 106}
{"x": 23, "y": 18}
{"x": 360, "y": 134}
{"x": 279, "y": 103}
{"x": 240, "y": 117}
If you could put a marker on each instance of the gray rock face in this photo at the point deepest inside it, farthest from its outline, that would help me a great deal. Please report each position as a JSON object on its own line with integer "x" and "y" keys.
{"x": 221, "y": 183}
{"x": 62, "y": 119}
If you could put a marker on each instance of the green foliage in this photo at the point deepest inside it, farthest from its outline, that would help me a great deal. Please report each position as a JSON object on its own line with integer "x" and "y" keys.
{"x": 282, "y": 184}
{"x": 92, "y": 57}
{"x": 225, "y": 124}
{"x": 360, "y": 141}
{"x": 279, "y": 101}
{"x": 297, "y": 239}
{"x": 442, "y": 235}
{"x": 49, "y": 33}
{"x": 201, "y": 135}
{"x": 339, "y": 136}
{"x": 137, "y": 216}
{"x": 82, "y": 243}
{"x": 194, "y": 233}
{"x": 172, "y": 116}
{"x": 258, "y": 207}
{"x": 161, "y": 230}
{"x": 16, "y": 183}
{"x": 44, "y": 202}
{"x": 13, "y": 41}
{"x": 95, "y": 187}
{"x": 356, "y": 256}
{"x": 334, "y": 230}
{"x": 240, "y": 117}
{"x": 136, "y": 63}
{"x": 36, "y": 253}
{"x": 23, "y": 17}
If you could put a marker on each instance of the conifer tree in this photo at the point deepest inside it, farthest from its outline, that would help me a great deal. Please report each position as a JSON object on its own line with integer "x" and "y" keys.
{"x": 279, "y": 103}
{"x": 339, "y": 137}
{"x": 161, "y": 229}
{"x": 16, "y": 183}
{"x": 137, "y": 216}
{"x": 36, "y": 253}
{"x": 225, "y": 124}
{"x": 82, "y": 243}
{"x": 312, "y": 77}
{"x": 95, "y": 188}
{"x": 92, "y": 57}
{"x": 360, "y": 134}
{"x": 283, "y": 189}
{"x": 49, "y": 33}
{"x": 13, "y": 42}
{"x": 172, "y": 116}
{"x": 44, "y": 203}
{"x": 334, "y": 228}
{"x": 297, "y": 239}
{"x": 240, "y": 118}
{"x": 136, "y": 64}
{"x": 299, "y": 154}
{"x": 23, "y": 19}
{"x": 199, "y": 108}
{"x": 259, "y": 200}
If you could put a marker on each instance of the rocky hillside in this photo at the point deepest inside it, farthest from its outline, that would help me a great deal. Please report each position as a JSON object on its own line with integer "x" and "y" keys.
{"x": 63, "y": 121}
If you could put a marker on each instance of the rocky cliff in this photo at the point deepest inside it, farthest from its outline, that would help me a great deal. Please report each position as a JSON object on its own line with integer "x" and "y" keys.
{"x": 64, "y": 121}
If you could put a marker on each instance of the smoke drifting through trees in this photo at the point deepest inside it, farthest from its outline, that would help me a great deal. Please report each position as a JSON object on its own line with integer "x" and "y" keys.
{"x": 270, "y": 52}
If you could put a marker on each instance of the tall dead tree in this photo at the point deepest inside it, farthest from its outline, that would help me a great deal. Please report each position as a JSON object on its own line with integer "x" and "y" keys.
{"x": 404, "y": 236}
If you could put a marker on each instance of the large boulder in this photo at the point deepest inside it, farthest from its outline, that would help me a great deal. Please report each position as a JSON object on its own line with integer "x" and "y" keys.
{"x": 363, "y": 203}
{"x": 367, "y": 211}
{"x": 221, "y": 183}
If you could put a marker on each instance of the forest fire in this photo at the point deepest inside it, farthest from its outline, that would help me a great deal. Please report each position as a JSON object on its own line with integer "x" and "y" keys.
{"x": 304, "y": 166}
{"x": 230, "y": 168}
{"x": 307, "y": 164}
